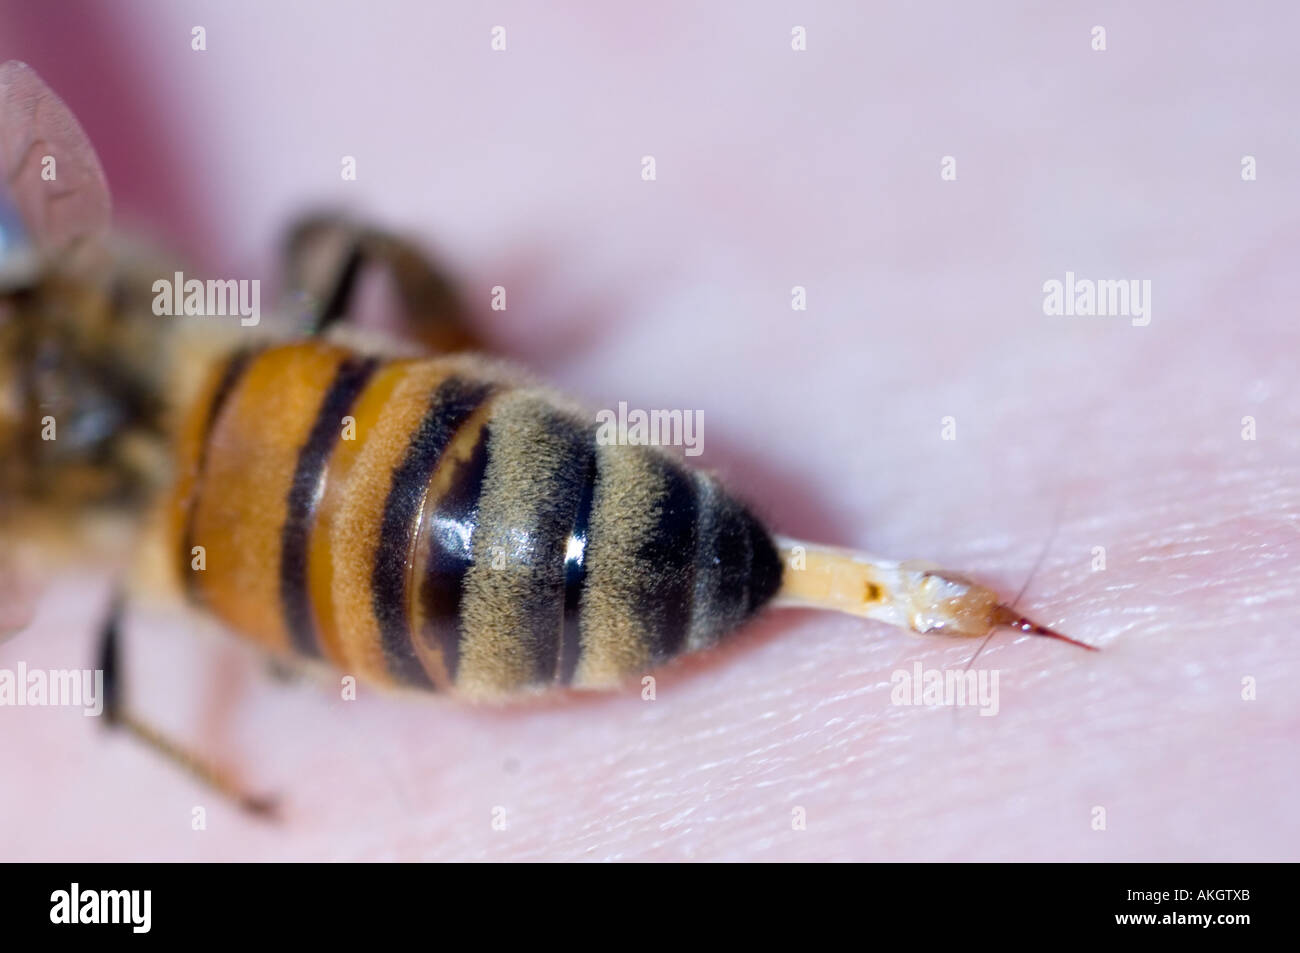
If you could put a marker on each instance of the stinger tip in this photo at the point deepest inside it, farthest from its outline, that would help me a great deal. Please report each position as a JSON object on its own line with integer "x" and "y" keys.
{"x": 1007, "y": 616}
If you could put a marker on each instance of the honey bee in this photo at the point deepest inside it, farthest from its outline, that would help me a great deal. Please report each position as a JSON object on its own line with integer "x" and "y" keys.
{"x": 436, "y": 521}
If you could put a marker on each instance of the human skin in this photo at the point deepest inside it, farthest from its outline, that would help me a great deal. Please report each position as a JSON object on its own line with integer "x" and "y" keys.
{"x": 775, "y": 168}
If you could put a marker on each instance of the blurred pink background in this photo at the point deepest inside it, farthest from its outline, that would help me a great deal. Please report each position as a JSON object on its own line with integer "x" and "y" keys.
{"x": 779, "y": 168}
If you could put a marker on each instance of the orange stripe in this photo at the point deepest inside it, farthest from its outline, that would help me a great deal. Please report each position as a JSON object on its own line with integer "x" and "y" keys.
{"x": 351, "y": 512}
{"x": 338, "y": 476}
{"x": 241, "y": 508}
{"x": 190, "y": 438}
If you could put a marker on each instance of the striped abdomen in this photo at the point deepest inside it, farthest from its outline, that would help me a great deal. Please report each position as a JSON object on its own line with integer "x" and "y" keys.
{"x": 430, "y": 523}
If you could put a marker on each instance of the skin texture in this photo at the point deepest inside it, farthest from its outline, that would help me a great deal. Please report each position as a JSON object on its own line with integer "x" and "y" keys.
{"x": 774, "y": 169}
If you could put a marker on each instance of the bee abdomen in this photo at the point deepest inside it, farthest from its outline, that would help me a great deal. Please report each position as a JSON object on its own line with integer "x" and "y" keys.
{"x": 436, "y": 524}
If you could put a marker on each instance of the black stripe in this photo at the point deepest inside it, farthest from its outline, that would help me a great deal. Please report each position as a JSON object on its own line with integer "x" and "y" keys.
{"x": 575, "y": 573}
{"x": 304, "y": 494}
{"x": 450, "y": 528}
{"x": 737, "y": 567}
{"x": 666, "y": 598}
{"x": 542, "y": 568}
{"x": 452, "y": 403}
{"x": 714, "y": 564}
{"x": 457, "y": 528}
{"x": 765, "y": 566}
{"x": 732, "y": 550}
{"x": 236, "y": 364}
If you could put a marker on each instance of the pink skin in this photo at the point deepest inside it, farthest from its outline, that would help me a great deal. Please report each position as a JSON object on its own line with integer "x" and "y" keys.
{"x": 775, "y": 168}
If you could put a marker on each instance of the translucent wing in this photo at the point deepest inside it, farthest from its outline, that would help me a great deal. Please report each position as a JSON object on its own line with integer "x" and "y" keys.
{"x": 52, "y": 187}
{"x": 52, "y": 194}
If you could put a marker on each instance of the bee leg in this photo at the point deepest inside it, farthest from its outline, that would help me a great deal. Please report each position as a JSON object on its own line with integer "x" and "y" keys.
{"x": 117, "y": 715}
{"x": 324, "y": 257}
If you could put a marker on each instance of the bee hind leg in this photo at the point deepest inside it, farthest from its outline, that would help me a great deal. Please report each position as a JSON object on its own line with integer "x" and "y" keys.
{"x": 117, "y": 715}
{"x": 325, "y": 258}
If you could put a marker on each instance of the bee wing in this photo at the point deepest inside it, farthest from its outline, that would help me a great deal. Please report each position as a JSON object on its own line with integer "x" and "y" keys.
{"x": 50, "y": 177}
